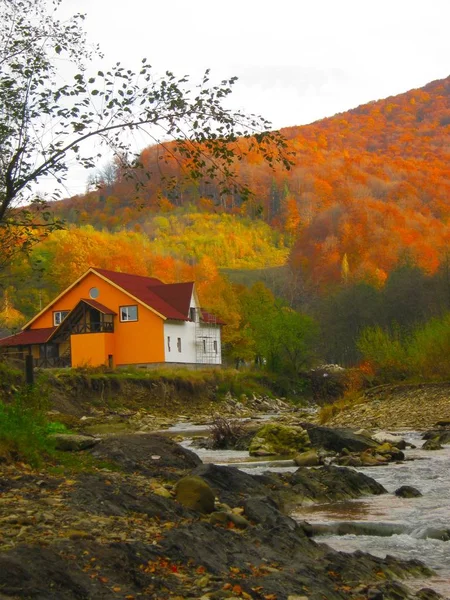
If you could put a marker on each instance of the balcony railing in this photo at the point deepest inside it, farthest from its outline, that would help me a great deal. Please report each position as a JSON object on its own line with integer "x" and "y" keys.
{"x": 105, "y": 327}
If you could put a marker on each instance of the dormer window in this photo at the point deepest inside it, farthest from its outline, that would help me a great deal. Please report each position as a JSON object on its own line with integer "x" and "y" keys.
{"x": 59, "y": 316}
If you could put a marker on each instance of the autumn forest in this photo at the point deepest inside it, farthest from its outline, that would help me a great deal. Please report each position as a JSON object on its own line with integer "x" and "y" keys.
{"x": 349, "y": 248}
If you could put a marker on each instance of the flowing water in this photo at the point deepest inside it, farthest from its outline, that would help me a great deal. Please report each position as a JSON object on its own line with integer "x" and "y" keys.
{"x": 386, "y": 524}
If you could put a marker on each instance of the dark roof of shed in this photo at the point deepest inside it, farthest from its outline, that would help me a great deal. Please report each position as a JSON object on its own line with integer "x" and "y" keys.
{"x": 28, "y": 337}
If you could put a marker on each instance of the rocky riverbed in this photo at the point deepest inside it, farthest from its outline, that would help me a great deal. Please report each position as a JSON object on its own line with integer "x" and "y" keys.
{"x": 125, "y": 529}
{"x": 414, "y": 407}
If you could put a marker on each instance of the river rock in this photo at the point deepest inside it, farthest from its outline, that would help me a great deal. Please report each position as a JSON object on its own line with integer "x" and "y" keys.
{"x": 338, "y": 439}
{"x": 194, "y": 493}
{"x": 265, "y": 511}
{"x": 428, "y": 594}
{"x": 330, "y": 483}
{"x": 382, "y": 437}
{"x": 347, "y": 461}
{"x": 226, "y": 517}
{"x": 442, "y": 436}
{"x": 307, "y": 459}
{"x": 230, "y": 481}
{"x": 390, "y": 452}
{"x": 407, "y": 491}
{"x": 73, "y": 442}
{"x": 432, "y": 444}
{"x": 275, "y": 439}
{"x": 370, "y": 460}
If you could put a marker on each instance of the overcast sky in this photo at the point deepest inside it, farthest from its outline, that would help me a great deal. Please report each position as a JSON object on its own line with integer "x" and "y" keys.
{"x": 297, "y": 61}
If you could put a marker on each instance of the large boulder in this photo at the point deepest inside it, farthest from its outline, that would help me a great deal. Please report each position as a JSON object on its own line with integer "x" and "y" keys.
{"x": 407, "y": 491}
{"x": 72, "y": 442}
{"x": 231, "y": 483}
{"x": 338, "y": 439}
{"x": 193, "y": 492}
{"x": 382, "y": 437}
{"x": 330, "y": 483}
{"x": 275, "y": 439}
{"x": 149, "y": 454}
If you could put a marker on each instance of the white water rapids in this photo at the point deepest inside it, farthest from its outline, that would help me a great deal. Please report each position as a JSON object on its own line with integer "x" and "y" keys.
{"x": 404, "y": 528}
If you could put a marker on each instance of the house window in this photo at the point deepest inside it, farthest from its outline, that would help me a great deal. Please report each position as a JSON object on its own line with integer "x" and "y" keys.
{"x": 168, "y": 343}
{"x": 204, "y": 345}
{"x": 192, "y": 314}
{"x": 179, "y": 344}
{"x": 215, "y": 346}
{"x": 94, "y": 293}
{"x": 59, "y": 316}
{"x": 128, "y": 313}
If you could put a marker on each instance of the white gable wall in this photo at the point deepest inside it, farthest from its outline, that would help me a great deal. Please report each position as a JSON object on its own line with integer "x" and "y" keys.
{"x": 185, "y": 331}
{"x": 191, "y": 335}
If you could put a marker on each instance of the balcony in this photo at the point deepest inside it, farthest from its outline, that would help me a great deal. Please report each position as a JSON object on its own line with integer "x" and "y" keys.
{"x": 92, "y": 327}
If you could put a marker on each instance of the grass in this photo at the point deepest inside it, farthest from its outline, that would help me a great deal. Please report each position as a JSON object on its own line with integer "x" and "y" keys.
{"x": 25, "y": 436}
{"x": 208, "y": 382}
{"x": 24, "y": 428}
{"x": 72, "y": 463}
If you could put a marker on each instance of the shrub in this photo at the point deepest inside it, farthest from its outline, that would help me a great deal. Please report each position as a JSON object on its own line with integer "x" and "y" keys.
{"x": 429, "y": 349}
{"x": 387, "y": 353}
{"x": 10, "y": 379}
{"x": 225, "y": 433}
{"x": 425, "y": 353}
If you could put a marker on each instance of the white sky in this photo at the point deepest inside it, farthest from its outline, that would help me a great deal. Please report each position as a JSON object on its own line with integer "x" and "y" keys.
{"x": 297, "y": 60}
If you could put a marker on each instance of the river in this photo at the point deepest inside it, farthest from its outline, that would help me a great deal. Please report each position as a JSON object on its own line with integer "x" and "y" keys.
{"x": 386, "y": 524}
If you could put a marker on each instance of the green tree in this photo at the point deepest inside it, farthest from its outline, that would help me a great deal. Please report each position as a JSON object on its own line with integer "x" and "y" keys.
{"x": 44, "y": 123}
{"x": 284, "y": 339}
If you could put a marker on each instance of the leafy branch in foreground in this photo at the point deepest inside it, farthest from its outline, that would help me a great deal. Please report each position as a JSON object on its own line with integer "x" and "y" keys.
{"x": 52, "y": 109}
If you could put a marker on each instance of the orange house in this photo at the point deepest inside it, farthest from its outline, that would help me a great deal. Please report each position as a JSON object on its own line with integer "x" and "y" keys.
{"x": 118, "y": 319}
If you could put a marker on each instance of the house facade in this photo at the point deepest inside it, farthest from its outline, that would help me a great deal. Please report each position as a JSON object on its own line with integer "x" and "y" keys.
{"x": 119, "y": 319}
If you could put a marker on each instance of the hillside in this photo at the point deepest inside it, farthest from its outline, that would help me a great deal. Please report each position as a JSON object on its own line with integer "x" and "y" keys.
{"x": 367, "y": 185}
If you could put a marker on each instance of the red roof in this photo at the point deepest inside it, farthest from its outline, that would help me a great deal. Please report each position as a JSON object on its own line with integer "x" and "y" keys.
{"x": 172, "y": 300}
{"x": 28, "y": 337}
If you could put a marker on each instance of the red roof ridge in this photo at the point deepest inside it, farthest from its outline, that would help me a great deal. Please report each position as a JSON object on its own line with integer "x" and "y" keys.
{"x": 153, "y": 281}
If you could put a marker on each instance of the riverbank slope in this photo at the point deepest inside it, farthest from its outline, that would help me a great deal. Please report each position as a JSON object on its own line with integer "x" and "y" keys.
{"x": 399, "y": 406}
